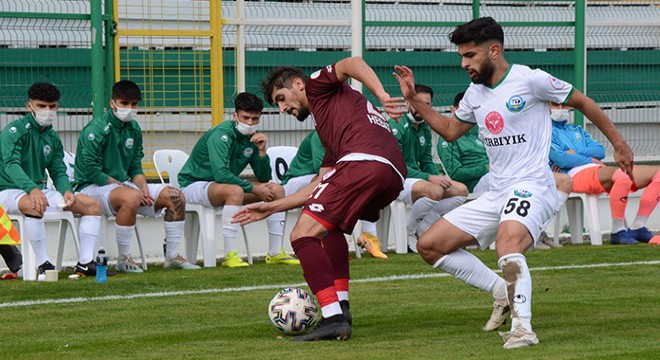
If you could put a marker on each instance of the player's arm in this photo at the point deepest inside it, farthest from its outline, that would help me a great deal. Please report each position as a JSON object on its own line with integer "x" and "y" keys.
{"x": 356, "y": 68}
{"x": 623, "y": 155}
{"x": 449, "y": 128}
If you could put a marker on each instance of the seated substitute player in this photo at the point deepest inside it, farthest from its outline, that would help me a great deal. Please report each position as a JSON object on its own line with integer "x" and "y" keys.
{"x": 428, "y": 193}
{"x": 108, "y": 167}
{"x": 509, "y": 104}
{"x": 573, "y": 151}
{"x": 29, "y": 147}
{"x": 304, "y": 169}
{"x": 210, "y": 177}
{"x": 367, "y": 174}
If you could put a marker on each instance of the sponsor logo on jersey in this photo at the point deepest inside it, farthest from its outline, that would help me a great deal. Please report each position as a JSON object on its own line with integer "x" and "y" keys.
{"x": 28, "y": 125}
{"x": 91, "y": 136}
{"x": 327, "y": 175}
{"x": 505, "y": 140}
{"x": 247, "y": 152}
{"x": 515, "y": 104}
{"x": 557, "y": 84}
{"x": 376, "y": 118}
{"x": 129, "y": 143}
{"x": 494, "y": 122}
{"x": 12, "y": 129}
{"x": 47, "y": 150}
{"x": 444, "y": 144}
{"x": 578, "y": 136}
{"x": 422, "y": 140}
{"x": 395, "y": 131}
{"x": 224, "y": 138}
{"x": 107, "y": 127}
{"x": 522, "y": 193}
{"x": 315, "y": 74}
{"x": 316, "y": 207}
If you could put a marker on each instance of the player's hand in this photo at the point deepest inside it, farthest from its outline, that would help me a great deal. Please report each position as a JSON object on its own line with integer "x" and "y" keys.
{"x": 69, "y": 199}
{"x": 251, "y": 213}
{"x": 624, "y": 157}
{"x": 556, "y": 168}
{"x": 145, "y": 198}
{"x": 260, "y": 140}
{"x": 406, "y": 81}
{"x": 38, "y": 201}
{"x": 394, "y": 107}
{"x": 441, "y": 181}
{"x": 263, "y": 192}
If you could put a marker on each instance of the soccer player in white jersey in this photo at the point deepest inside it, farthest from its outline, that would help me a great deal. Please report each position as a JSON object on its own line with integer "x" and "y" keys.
{"x": 509, "y": 104}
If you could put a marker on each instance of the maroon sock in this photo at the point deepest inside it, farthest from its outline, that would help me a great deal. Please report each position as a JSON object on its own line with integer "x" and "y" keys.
{"x": 336, "y": 247}
{"x": 317, "y": 268}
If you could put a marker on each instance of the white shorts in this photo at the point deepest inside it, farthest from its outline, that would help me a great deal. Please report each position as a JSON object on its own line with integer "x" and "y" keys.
{"x": 297, "y": 183}
{"x": 406, "y": 194}
{"x": 198, "y": 193}
{"x": 102, "y": 194}
{"x": 527, "y": 203}
{"x": 9, "y": 200}
{"x": 482, "y": 185}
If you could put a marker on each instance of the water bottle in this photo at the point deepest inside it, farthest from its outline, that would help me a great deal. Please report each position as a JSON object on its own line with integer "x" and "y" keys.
{"x": 101, "y": 266}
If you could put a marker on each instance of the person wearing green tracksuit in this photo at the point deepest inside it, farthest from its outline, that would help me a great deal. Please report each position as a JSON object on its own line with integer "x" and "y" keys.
{"x": 429, "y": 194}
{"x": 210, "y": 177}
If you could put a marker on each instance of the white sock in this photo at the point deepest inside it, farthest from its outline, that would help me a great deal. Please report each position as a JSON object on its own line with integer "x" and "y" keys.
{"x": 35, "y": 229}
{"x": 275, "y": 232}
{"x": 561, "y": 200}
{"x": 229, "y": 230}
{"x": 442, "y": 207}
{"x": 88, "y": 230}
{"x": 640, "y": 222}
{"x": 419, "y": 209}
{"x": 370, "y": 227}
{"x": 469, "y": 269}
{"x": 618, "y": 225}
{"x": 124, "y": 239}
{"x": 331, "y": 310}
{"x": 173, "y": 235}
{"x": 517, "y": 277}
{"x": 342, "y": 295}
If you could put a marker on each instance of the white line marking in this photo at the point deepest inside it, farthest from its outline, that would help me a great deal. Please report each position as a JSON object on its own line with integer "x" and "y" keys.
{"x": 282, "y": 286}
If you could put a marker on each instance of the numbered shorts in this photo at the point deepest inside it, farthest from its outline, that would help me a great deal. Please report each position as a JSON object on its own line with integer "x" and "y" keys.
{"x": 198, "y": 193}
{"x": 9, "y": 200}
{"x": 352, "y": 191}
{"x": 527, "y": 203}
{"x": 406, "y": 194}
{"x": 102, "y": 194}
{"x": 297, "y": 183}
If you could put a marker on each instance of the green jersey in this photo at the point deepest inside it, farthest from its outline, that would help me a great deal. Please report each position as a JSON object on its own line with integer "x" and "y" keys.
{"x": 221, "y": 155}
{"x": 27, "y": 152}
{"x": 308, "y": 159}
{"x": 416, "y": 146}
{"x": 465, "y": 159}
{"x": 108, "y": 147}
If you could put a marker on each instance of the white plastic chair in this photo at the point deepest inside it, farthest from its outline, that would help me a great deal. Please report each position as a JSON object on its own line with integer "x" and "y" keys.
{"x": 202, "y": 220}
{"x": 581, "y": 205}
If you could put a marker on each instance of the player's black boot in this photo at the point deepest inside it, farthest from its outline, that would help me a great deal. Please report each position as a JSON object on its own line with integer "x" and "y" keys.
{"x": 346, "y": 310}
{"x": 333, "y": 328}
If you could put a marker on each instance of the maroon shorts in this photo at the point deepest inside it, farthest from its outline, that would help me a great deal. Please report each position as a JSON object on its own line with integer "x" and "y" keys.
{"x": 353, "y": 190}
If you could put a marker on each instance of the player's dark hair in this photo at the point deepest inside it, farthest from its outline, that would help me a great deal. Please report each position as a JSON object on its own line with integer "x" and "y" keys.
{"x": 126, "y": 90}
{"x": 478, "y": 31}
{"x": 458, "y": 98}
{"x": 280, "y": 77}
{"x": 248, "y": 102}
{"x": 423, "y": 89}
{"x": 44, "y": 92}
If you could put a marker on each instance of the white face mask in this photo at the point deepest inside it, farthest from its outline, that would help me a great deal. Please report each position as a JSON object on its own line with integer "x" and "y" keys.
{"x": 246, "y": 129}
{"x": 412, "y": 118}
{"x": 559, "y": 115}
{"x": 125, "y": 114}
{"x": 44, "y": 117}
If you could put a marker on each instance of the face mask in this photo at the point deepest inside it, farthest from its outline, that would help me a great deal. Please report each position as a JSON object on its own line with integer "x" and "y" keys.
{"x": 413, "y": 119}
{"x": 125, "y": 114}
{"x": 559, "y": 115}
{"x": 44, "y": 117}
{"x": 246, "y": 129}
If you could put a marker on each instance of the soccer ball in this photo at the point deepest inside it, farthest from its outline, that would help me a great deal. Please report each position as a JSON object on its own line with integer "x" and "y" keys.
{"x": 293, "y": 311}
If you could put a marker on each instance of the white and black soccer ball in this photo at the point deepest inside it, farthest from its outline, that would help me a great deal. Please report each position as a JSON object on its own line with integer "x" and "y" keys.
{"x": 293, "y": 311}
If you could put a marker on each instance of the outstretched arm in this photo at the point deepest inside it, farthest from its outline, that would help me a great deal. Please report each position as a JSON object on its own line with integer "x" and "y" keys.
{"x": 359, "y": 70}
{"x": 623, "y": 155}
{"x": 449, "y": 128}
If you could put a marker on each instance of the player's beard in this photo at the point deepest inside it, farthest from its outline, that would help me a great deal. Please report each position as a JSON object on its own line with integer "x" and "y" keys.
{"x": 485, "y": 73}
{"x": 303, "y": 113}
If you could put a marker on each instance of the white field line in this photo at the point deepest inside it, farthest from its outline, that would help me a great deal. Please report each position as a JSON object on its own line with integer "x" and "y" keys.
{"x": 282, "y": 286}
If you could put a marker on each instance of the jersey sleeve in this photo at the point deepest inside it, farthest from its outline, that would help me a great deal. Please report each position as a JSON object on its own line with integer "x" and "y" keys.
{"x": 89, "y": 158}
{"x": 464, "y": 112}
{"x": 322, "y": 82}
{"x": 261, "y": 167}
{"x": 135, "y": 167}
{"x": 12, "y": 148}
{"x": 549, "y": 88}
{"x": 57, "y": 169}
{"x": 426, "y": 163}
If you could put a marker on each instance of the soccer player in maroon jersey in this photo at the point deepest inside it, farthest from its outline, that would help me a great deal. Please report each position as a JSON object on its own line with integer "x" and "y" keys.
{"x": 362, "y": 172}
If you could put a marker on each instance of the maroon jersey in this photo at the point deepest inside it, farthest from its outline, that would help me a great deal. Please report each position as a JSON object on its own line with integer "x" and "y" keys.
{"x": 347, "y": 123}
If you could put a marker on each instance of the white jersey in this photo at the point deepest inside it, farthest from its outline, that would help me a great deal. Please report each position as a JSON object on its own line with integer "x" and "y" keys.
{"x": 514, "y": 123}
